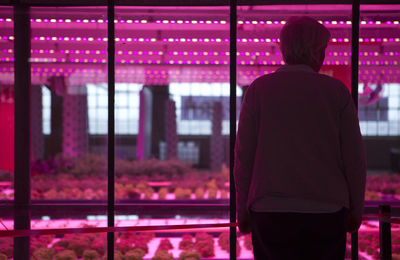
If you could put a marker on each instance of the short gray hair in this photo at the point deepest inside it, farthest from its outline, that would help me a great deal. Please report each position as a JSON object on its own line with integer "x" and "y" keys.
{"x": 301, "y": 40}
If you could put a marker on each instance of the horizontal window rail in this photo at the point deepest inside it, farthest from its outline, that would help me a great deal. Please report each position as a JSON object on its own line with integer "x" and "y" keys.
{"x": 384, "y": 217}
{"x": 63, "y": 231}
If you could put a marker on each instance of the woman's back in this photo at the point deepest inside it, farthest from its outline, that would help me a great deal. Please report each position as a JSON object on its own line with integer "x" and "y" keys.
{"x": 298, "y": 164}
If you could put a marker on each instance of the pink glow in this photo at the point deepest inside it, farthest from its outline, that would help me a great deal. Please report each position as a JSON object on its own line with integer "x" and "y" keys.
{"x": 202, "y": 22}
{"x": 188, "y": 53}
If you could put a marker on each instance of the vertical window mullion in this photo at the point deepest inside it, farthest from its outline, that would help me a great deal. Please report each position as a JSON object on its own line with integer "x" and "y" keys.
{"x": 355, "y": 27}
{"x": 111, "y": 127}
{"x": 22, "y": 142}
{"x": 232, "y": 121}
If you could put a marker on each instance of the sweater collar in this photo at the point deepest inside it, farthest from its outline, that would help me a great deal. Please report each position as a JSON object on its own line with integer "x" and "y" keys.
{"x": 295, "y": 68}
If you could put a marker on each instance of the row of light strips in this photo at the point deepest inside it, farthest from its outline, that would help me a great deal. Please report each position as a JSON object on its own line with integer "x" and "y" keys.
{"x": 256, "y": 40}
{"x": 172, "y": 76}
{"x": 178, "y": 73}
{"x": 187, "y": 62}
{"x": 158, "y": 76}
{"x": 192, "y": 53}
{"x": 182, "y": 77}
{"x": 144, "y": 21}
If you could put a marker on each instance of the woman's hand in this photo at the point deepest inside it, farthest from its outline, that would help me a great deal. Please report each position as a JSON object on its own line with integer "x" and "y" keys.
{"x": 353, "y": 224}
{"x": 244, "y": 226}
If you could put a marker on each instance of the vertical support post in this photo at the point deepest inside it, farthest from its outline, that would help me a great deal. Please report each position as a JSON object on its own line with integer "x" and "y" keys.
{"x": 111, "y": 127}
{"x": 75, "y": 128}
{"x": 22, "y": 68}
{"x": 160, "y": 96}
{"x": 171, "y": 136}
{"x": 141, "y": 137}
{"x": 385, "y": 238}
{"x": 216, "y": 145}
{"x": 354, "y": 246}
{"x": 232, "y": 123}
{"x": 36, "y": 115}
{"x": 355, "y": 30}
{"x": 143, "y": 143}
{"x": 354, "y": 88}
{"x": 58, "y": 90}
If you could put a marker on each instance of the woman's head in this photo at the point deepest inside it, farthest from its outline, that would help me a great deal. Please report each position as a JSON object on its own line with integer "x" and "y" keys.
{"x": 303, "y": 40}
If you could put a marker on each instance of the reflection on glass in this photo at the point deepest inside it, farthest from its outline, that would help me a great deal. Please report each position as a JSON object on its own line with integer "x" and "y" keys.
{"x": 378, "y": 75}
{"x": 68, "y": 162}
{"x": 69, "y": 246}
{"x": 6, "y": 104}
{"x": 379, "y": 105}
{"x": 172, "y": 109}
{"x": 258, "y": 51}
{"x": 68, "y": 150}
{"x": 172, "y": 103}
{"x": 6, "y": 125}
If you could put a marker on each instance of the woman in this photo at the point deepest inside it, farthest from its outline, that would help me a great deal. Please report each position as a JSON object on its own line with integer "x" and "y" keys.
{"x": 300, "y": 167}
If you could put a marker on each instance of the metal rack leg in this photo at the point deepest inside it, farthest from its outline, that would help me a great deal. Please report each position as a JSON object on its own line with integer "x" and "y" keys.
{"x": 385, "y": 239}
{"x": 354, "y": 246}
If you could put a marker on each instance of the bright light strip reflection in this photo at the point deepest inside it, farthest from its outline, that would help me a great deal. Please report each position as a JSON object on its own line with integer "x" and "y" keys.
{"x": 195, "y": 40}
{"x": 187, "y": 62}
{"x": 162, "y": 73}
{"x": 202, "y": 22}
{"x": 195, "y": 53}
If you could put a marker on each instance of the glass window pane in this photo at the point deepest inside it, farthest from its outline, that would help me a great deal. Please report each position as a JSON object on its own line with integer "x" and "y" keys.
{"x": 6, "y": 126}
{"x": 69, "y": 150}
{"x": 172, "y": 64}
{"x": 379, "y": 110}
{"x": 258, "y": 49}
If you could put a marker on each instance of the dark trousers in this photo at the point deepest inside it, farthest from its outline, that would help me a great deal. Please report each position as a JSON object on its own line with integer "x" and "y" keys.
{"x": 298, "y": 236}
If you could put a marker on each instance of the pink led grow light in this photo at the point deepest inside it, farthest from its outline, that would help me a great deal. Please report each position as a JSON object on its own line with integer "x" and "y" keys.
{"x": 201, "y": 22}
{"x": 192, "y": 53}
{"x": 191, "y": 40}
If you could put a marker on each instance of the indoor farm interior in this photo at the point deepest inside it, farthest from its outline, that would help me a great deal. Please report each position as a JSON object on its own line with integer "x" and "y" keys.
{"x": 172, "y": 121}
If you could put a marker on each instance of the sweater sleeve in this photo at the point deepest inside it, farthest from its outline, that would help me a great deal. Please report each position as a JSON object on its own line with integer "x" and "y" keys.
{"x": 245, "y": 149}
{"x": 353, "y": 156}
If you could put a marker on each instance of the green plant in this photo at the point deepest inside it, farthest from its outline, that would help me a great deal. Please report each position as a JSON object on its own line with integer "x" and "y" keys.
{"x": 78, "y": 246}
{"x": 162, "y": 193}
{"x": 204, "y": 244}
{"x": 224, "y": 194}
{"x": 162, "y": 255}
{"x": 90, "y": 255}
{"x": 66, "y": 255}
{"x": 199, "y": 193}
{"x": 181, "y": 193}
{"x": 223, "y": 242}
{"x": 99, "y": 245}
{"x": 142, "y": 245}
{"x": 225, "y": 172}
{"x": 148, "y": 193}
{"x": 142, "y": 186}
{"x": 212, "y": 184}
{"x": 88, "y": 164}
{"x": 189, "y": 255}
{"x": 6, "y": 246}
{"x": 186, "y": 242}
{"x": 212, "y": 193}
{"x": 165, "y": 244}
{"x": 248, "y": 243}
{"x": 135, "y": 254}
{"x": 44, "y": 253}
{"x": 145, "y": 237}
